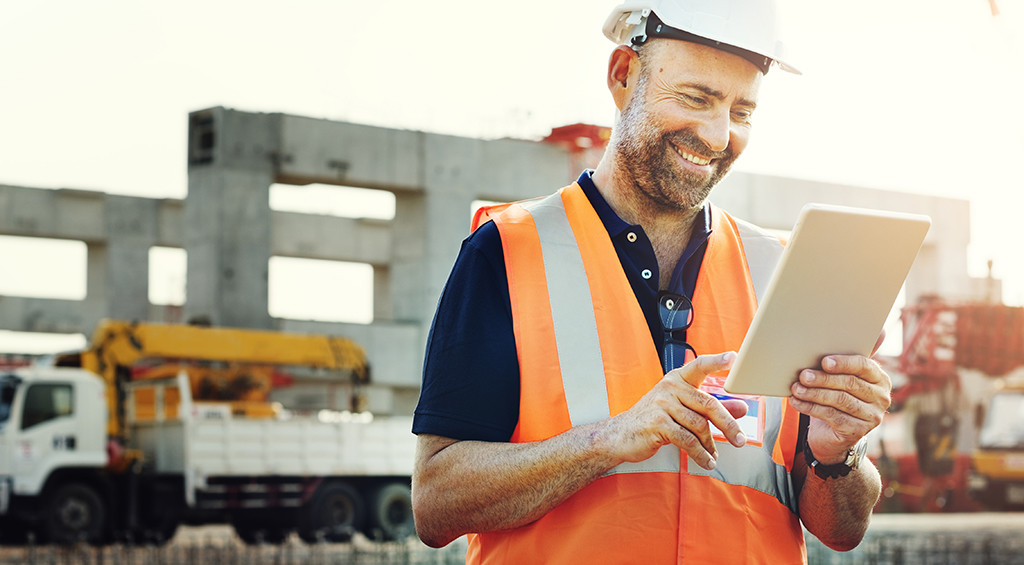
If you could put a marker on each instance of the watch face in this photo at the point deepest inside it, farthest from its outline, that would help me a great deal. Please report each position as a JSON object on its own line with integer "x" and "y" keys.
{"x": 857, "y": 453}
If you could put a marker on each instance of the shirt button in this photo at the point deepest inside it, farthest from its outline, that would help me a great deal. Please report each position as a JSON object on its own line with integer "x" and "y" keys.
{"x": 646, "y": 274}
{"x": 631, "y": 237}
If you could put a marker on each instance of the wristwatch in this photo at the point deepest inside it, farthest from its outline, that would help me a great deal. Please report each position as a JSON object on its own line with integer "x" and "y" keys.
{"x": 853, "y": 458}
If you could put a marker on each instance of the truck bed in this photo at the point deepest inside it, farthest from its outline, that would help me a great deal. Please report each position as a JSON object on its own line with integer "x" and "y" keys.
{"x": 296, "y": 447}
{"x": 203, "y": 439}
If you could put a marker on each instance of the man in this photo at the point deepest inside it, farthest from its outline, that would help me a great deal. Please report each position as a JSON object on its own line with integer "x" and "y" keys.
{"x": 558, "y": 422}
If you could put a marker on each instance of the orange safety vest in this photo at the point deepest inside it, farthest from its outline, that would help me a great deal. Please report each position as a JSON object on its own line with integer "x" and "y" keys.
{"x": 585, "y": 354}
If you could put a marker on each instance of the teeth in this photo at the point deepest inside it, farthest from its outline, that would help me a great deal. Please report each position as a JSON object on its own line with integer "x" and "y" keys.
{"x": 692, "y": 158}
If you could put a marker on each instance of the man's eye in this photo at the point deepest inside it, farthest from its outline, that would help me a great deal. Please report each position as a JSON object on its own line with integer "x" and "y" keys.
{"x": 741, "y": 115}
{"x": 695, "y": 100}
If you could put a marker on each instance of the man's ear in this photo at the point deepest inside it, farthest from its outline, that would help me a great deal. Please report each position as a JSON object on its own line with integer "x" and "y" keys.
{"x": 623, "y": 72}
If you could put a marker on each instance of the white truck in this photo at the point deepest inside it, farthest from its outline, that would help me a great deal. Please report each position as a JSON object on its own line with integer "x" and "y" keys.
{"x": 65, "y": 478}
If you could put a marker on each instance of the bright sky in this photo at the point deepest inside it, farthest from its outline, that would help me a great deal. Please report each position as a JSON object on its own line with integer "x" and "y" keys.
{"x": 912, "y": 95}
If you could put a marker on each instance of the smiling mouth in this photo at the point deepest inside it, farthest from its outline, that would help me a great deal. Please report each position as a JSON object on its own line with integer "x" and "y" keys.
{"x": 695, "y": 159}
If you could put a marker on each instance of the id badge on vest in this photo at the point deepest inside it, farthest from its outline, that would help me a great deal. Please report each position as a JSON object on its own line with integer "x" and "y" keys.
{"x": 752, "y": 424}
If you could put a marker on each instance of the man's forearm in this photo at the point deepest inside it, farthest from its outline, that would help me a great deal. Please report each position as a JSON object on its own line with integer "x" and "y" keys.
{"x": 471, "y": 486}
{"x": 474, "y": 486}
{"x": 838, "y": 511}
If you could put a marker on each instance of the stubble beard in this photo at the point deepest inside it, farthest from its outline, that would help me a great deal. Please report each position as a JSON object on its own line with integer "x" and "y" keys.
{"x": 645, "y": 153}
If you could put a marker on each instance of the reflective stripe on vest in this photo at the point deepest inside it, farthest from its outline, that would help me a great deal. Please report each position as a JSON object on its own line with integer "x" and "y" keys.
{"x": 572, "y": 311}
{"x": 763, "y": 251}
{"x": 568, "y": 289}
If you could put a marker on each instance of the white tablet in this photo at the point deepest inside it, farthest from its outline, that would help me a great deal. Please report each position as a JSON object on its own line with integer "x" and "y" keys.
{"x": 834, "y": 287}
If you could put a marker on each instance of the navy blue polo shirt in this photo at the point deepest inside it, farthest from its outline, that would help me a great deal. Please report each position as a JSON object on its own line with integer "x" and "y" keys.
{"x": 471, "y": 371}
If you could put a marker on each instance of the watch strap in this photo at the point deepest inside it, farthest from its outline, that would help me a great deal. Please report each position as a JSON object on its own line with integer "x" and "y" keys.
{"x": 833, "y": 471}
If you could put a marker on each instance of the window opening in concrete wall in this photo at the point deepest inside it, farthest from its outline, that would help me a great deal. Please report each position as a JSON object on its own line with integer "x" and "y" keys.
{"x": 36, "y": 267}
{"x": 168, "y": 268}
{"x": 325, "y": 291}
{"x": 39, "y": 343}
{"x": 329, "y": 200}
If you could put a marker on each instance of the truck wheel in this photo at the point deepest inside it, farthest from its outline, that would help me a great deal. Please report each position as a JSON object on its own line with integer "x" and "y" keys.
{"x": 75, "y": 513}
{"x": 335, "y": 512}
{"x": 391, "y": 513}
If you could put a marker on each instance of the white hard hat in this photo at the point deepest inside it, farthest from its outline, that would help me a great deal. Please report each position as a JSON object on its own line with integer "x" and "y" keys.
{"x": 744, "y": 27}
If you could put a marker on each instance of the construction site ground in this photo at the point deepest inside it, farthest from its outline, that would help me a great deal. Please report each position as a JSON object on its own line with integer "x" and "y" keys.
{"x": 932, "y": 539}
{"x": 897, "y": 539}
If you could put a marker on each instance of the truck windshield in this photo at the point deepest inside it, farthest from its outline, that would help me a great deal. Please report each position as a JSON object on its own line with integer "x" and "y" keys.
{"x": 7, "y": 388}
{"x": 1004, "y": 424}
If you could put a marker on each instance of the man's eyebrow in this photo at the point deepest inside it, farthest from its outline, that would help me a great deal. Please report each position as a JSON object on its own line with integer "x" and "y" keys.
{"x": 718, "y": 95}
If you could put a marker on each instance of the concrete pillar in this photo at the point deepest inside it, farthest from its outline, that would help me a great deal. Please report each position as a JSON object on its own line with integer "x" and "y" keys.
{"x": 232, "y": 161}
{"x": 454, "y": 174}
{"x": 382, "y": 308}
{"x": 96, "y": 276}
{"x": 408, "y": 255}
{"x": 132, "y": 227}
{"x": 448, "y": 224}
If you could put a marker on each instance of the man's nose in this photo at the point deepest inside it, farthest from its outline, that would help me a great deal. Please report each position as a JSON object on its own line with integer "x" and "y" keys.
{"x": 715, "y": 131}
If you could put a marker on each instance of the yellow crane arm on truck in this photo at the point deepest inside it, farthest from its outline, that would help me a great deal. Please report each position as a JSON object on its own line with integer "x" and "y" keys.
{"x": 116, "y": 345}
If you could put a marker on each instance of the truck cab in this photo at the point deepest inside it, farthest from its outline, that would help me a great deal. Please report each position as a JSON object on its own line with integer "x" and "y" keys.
{"x": 997, "y": 478}
{"x": 52, "y": 434}
{"x": 156, "y": 424}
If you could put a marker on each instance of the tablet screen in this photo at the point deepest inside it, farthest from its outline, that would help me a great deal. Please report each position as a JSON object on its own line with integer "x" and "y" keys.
{"x": 831, "y": 293}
